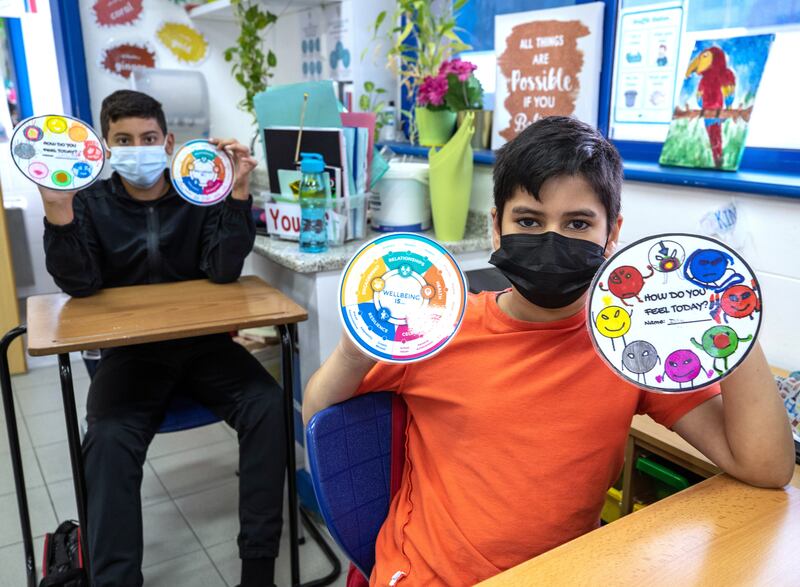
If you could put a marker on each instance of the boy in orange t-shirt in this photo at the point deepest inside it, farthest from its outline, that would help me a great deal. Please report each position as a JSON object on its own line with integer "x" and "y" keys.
{"x": 517, "y": 429}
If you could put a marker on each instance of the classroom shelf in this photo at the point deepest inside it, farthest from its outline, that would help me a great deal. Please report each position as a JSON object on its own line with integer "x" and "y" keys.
{"x": 221, "y": 10}
{"x": 485, "y": 157}
{"x": 756, "y": 182}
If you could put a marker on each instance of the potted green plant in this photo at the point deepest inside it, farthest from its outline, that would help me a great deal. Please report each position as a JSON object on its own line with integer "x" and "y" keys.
{"x": 435, "y": 119}
{"x": 464, "y": 95}
{"x": 421, "y": 39}
{"x": 252, "y": 66}
{"x": 372, "y": 100}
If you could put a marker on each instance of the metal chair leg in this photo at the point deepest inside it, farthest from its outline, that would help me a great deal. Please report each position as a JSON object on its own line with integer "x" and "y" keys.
{"x": 288, "y": 398}
{"x": 16, "y": 455}
{"x": 75, "y": 454}
{"x": 288, "y": 334}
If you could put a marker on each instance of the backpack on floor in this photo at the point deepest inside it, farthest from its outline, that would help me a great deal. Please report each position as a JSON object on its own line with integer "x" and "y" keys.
{"x": 63, "y": 558}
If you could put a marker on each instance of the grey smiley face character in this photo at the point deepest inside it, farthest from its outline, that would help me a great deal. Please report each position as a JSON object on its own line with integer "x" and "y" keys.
{"x": 640, "y": 357}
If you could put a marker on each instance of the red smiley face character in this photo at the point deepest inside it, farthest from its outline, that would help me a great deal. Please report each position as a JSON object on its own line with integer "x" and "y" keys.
{"x": 626, "y": 282}
{"x": 740, "y": 301}
{"x": 92, "y": 151}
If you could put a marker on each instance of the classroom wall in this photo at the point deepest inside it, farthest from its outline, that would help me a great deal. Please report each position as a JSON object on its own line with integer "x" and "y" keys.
{"x": 18, "y": 192}
{"x": 226, "y": 119}
{"x": 771, "y": 230}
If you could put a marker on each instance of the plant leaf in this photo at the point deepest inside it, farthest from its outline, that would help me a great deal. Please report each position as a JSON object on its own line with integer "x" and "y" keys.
{"x": 379, "y": 20}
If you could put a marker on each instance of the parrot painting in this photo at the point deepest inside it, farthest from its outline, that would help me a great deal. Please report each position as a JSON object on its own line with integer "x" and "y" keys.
{"x": 715, "y": 91}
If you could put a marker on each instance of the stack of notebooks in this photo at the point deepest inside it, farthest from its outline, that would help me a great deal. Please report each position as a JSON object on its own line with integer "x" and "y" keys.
{"x": 305, "y": 118}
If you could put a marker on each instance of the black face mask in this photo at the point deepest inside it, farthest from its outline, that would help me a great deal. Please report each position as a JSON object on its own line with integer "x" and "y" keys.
{"x": 550, "y": 270}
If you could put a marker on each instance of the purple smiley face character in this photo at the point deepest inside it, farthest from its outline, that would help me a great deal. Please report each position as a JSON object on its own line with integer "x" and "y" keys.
{"x": 682, "y": 366}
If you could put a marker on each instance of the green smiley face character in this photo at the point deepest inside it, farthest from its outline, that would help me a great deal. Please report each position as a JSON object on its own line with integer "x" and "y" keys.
{"x": 720, "y": 342}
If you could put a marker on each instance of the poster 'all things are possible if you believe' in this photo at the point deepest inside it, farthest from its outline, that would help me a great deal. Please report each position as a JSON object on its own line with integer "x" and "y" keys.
{"x": 548, "y": 64}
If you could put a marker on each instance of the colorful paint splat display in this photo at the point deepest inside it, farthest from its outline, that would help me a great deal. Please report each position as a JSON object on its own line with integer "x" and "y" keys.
{"x": 402, "y": 298}
{"x": 187, "y": 44}
{"x": 201, "y": 173}
{"x": 57, "y": 152}
{"x": 674, "y": 312}
{"x": 121, "y": 58}
{"x": 109, "y": 13}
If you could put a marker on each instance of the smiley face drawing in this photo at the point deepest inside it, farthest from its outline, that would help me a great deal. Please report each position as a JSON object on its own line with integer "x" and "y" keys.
{"x": 683, "y": 366}
{"x": 738, "y": 301}
{"x": 613, "y": 322}
{"x": 626, "y": 282}
{"x": 640, "y": 357}
{"x": 720, "y": 342}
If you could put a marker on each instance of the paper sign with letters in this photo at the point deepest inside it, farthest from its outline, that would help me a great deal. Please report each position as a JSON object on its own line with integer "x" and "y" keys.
{"x": 548, "y": 64}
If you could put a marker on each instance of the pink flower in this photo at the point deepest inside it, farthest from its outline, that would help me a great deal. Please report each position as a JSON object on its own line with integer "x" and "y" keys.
{"x": 462, "y": 69}
{"x": 432, "y": 91}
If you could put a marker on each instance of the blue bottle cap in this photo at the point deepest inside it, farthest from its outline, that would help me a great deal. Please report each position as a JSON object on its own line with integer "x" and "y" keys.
{"x": 311, "y": 163}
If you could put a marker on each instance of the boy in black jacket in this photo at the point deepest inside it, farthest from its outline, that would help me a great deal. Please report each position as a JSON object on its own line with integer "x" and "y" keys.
{"x": 134, "y": 229}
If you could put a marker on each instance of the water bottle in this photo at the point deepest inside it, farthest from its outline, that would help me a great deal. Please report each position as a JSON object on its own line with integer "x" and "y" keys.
{"x": 313, "y": 204}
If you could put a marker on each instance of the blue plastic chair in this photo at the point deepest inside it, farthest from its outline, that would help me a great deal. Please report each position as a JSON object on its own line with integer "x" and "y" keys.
{"x": 182, "y": 412}
{"x": 356, "y": 451}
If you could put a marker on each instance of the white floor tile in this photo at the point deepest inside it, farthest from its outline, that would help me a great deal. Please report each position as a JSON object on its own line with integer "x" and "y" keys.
{"x": 35, "y": 377}
{"x": 63, "y": 494}
{"x": 49, "y": 375}
{"x": 313, "y": 564}
{"x": 39, "y": 399}
{"x": 41, "y": 513}
{"x": 12, "y": 563}
{"x": 47, "y": 428}
{"x": 226, "y": 559}
{"x": 164, "y": 444}
{"x": 213, "y": 514}
{"x": 230, "y": 431}
{"x": 166, "y": 534}
{"x": 22, "y": 430}
{"x": 46, "y": 397}
{"x": 193, "y": 570}
{"x": 195, "y": 470}
{"x": 54, "y": 462}
{"x": 30, "y": 466}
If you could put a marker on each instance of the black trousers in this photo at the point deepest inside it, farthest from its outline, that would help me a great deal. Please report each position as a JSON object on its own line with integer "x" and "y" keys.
{"x": 128, "y": 397}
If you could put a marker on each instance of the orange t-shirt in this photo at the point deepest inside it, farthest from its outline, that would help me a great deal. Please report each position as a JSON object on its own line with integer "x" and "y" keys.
{"x": 515, "y": 432}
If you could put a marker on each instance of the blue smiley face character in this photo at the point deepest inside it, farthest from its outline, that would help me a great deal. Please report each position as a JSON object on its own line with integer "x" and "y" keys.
{"x": 707, "y": 268}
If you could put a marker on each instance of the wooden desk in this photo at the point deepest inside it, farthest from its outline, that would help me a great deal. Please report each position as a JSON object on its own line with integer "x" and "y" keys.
{"x": 139, "y": 314}
{"x": 115, "y": 317}
{"x": 718, "y": 532}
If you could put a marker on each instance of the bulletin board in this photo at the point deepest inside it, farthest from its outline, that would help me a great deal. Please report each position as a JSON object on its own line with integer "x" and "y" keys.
{"x": 765, "y": 169}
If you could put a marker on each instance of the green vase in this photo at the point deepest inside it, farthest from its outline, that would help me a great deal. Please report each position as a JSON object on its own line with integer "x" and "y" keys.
{"x": 434, "y": 127}
{"x": 450, "y": 181}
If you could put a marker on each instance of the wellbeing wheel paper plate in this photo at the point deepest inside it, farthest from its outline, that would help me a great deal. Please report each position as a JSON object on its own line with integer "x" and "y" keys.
{"x": 57, "y": 152}
{"x": 402, "y": 298}
{"x": 201, "y": 173}
{"x": 674, "y": 312}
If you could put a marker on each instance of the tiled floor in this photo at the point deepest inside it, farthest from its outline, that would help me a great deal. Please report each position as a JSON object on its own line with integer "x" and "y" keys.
{"x": 189, "y": 493}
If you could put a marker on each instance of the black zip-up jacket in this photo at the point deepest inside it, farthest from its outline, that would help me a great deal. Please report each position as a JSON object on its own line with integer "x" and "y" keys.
{"x": 115, "y": 240}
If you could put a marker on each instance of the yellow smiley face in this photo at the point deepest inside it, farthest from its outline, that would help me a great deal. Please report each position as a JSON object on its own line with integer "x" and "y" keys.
{"x": 613, "y": 322}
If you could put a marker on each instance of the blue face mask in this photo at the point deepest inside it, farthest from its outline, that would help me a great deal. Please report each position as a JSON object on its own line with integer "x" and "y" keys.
{"x": 139, "y": 166}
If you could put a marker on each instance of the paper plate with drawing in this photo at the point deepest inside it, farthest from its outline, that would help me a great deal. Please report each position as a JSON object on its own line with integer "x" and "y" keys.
{"x": 57, "y": 152}
{"x": 548, "y": 63}
{"x": 709, "y": 124}
{"x": 201, "y": 173}
{"x": 402, "y": 297}
{"x": 674, "y": 312}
